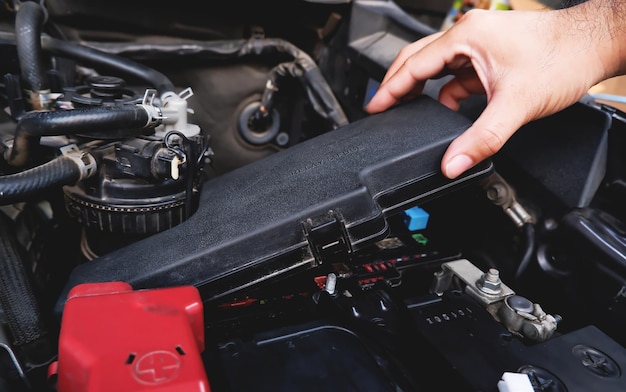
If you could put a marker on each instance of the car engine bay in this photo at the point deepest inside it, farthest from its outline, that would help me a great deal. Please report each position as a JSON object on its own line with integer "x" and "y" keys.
{"x": 195, "y": 199}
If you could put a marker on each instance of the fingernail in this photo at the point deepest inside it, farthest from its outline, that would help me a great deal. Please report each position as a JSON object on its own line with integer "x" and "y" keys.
{"x": 458, "y": 165}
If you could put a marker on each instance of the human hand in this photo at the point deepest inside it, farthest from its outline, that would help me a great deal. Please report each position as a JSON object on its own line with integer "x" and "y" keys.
{"x": 529, "y": 64}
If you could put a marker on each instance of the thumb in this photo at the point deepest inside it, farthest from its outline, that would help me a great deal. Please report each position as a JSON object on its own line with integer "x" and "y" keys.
{"x": 496, "y": 124}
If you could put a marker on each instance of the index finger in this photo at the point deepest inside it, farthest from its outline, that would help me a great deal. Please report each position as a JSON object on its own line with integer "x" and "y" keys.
{"x": 407, "y": 51}
{"x": 429, "y": 61}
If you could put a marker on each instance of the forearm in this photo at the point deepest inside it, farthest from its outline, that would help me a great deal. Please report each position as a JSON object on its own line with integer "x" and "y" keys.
{"x": 619, "y": 34}
{"x": 601, "y": 24}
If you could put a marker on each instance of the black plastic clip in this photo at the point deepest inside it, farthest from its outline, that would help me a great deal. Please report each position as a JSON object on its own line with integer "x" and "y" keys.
{"x": 327, "y": 237}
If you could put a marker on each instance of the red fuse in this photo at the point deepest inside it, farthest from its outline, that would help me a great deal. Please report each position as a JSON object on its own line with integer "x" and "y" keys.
{"x": 114, "y": 338}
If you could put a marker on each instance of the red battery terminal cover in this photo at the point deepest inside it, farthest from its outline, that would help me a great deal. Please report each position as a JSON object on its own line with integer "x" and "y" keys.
{"x": 114, "y": 338}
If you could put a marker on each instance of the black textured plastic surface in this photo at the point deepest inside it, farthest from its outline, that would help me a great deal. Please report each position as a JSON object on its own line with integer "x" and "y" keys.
{"x": 566, "y": 152}
{"x": 249, "y": 224}
{"x": 481, "y": 350}
{"x": 281, "y": 361}
{"x": 379, "y": 30}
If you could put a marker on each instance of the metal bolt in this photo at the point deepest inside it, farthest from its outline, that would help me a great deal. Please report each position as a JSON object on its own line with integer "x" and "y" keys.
{"x": 493, "y": 275}
{"x": 331, "y": 284}
{"x": 490, "y": 283}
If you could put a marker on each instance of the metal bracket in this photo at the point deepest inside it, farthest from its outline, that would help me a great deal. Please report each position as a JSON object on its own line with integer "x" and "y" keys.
{"x": 327, "y": 237}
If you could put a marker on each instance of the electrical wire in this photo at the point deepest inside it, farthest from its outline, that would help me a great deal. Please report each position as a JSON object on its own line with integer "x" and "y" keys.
{"x": 528, "y": 230}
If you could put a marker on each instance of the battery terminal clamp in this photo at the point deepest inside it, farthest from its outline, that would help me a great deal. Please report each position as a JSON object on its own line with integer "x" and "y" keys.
{"x": 500, "y": 193}
{"x": 518, "y": 314}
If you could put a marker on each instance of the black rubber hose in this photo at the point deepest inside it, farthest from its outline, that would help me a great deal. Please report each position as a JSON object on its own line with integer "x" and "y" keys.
{"x": 98, "y": 58}
{"x": 29, "y": 22}
{"x": 19, "y": 187}
{"x": 318, "y": 90}
{"x": 33, "y": 125}
{"x": 17, "y": 298}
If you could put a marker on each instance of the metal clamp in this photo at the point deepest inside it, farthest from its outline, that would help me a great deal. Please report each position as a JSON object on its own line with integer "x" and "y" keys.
{"x": 516, "y": 313}
{"x": 85, "y": 161}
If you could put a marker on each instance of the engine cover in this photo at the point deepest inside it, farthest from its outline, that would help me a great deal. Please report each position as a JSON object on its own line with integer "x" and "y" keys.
{"x": 321, "y": 199}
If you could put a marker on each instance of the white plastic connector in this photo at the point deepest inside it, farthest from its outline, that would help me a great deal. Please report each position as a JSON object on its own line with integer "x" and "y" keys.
{"x": 174, "y": 168}
{"x": 175, "y": 111}
{"x": 515, "y": 382}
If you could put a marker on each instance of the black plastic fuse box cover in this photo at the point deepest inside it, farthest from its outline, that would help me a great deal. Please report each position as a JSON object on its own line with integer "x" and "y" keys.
{"x": 275, "y": 215}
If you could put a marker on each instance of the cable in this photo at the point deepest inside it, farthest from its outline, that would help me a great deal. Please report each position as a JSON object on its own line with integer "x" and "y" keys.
{"x": 529, "y": 233}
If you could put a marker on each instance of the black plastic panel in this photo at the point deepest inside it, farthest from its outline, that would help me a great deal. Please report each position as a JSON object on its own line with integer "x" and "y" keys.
{"x": 282, "y": 361}
{"x": 566, "y": 153}
{"x": 481, "y": 350}
{"x": 250, "y": 222}
{"x": 378, "y": 31}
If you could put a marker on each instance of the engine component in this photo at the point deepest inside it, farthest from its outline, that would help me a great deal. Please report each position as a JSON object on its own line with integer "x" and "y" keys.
{"x": 358, "y": 170}
{"x": 98, "y": 90}
{"x": 486, "y": 288}
{"x": 517, "y": 313}
{"x": 481, "y": 350}
{"x": 114, "y": 338}
{"x": 29, "y": 21}
{"x": 68, "y": 169}
{"x": 309, "y": 273}
{"x": 30, "y": 337}
{"x": 258, "y": 127}
{"x": 502, "y": 194}
{"x": 174, "y": 110}
{"x": 64, "y": 122}
{"x": 145, "y": 185}
{"x": 524, "y": 318}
